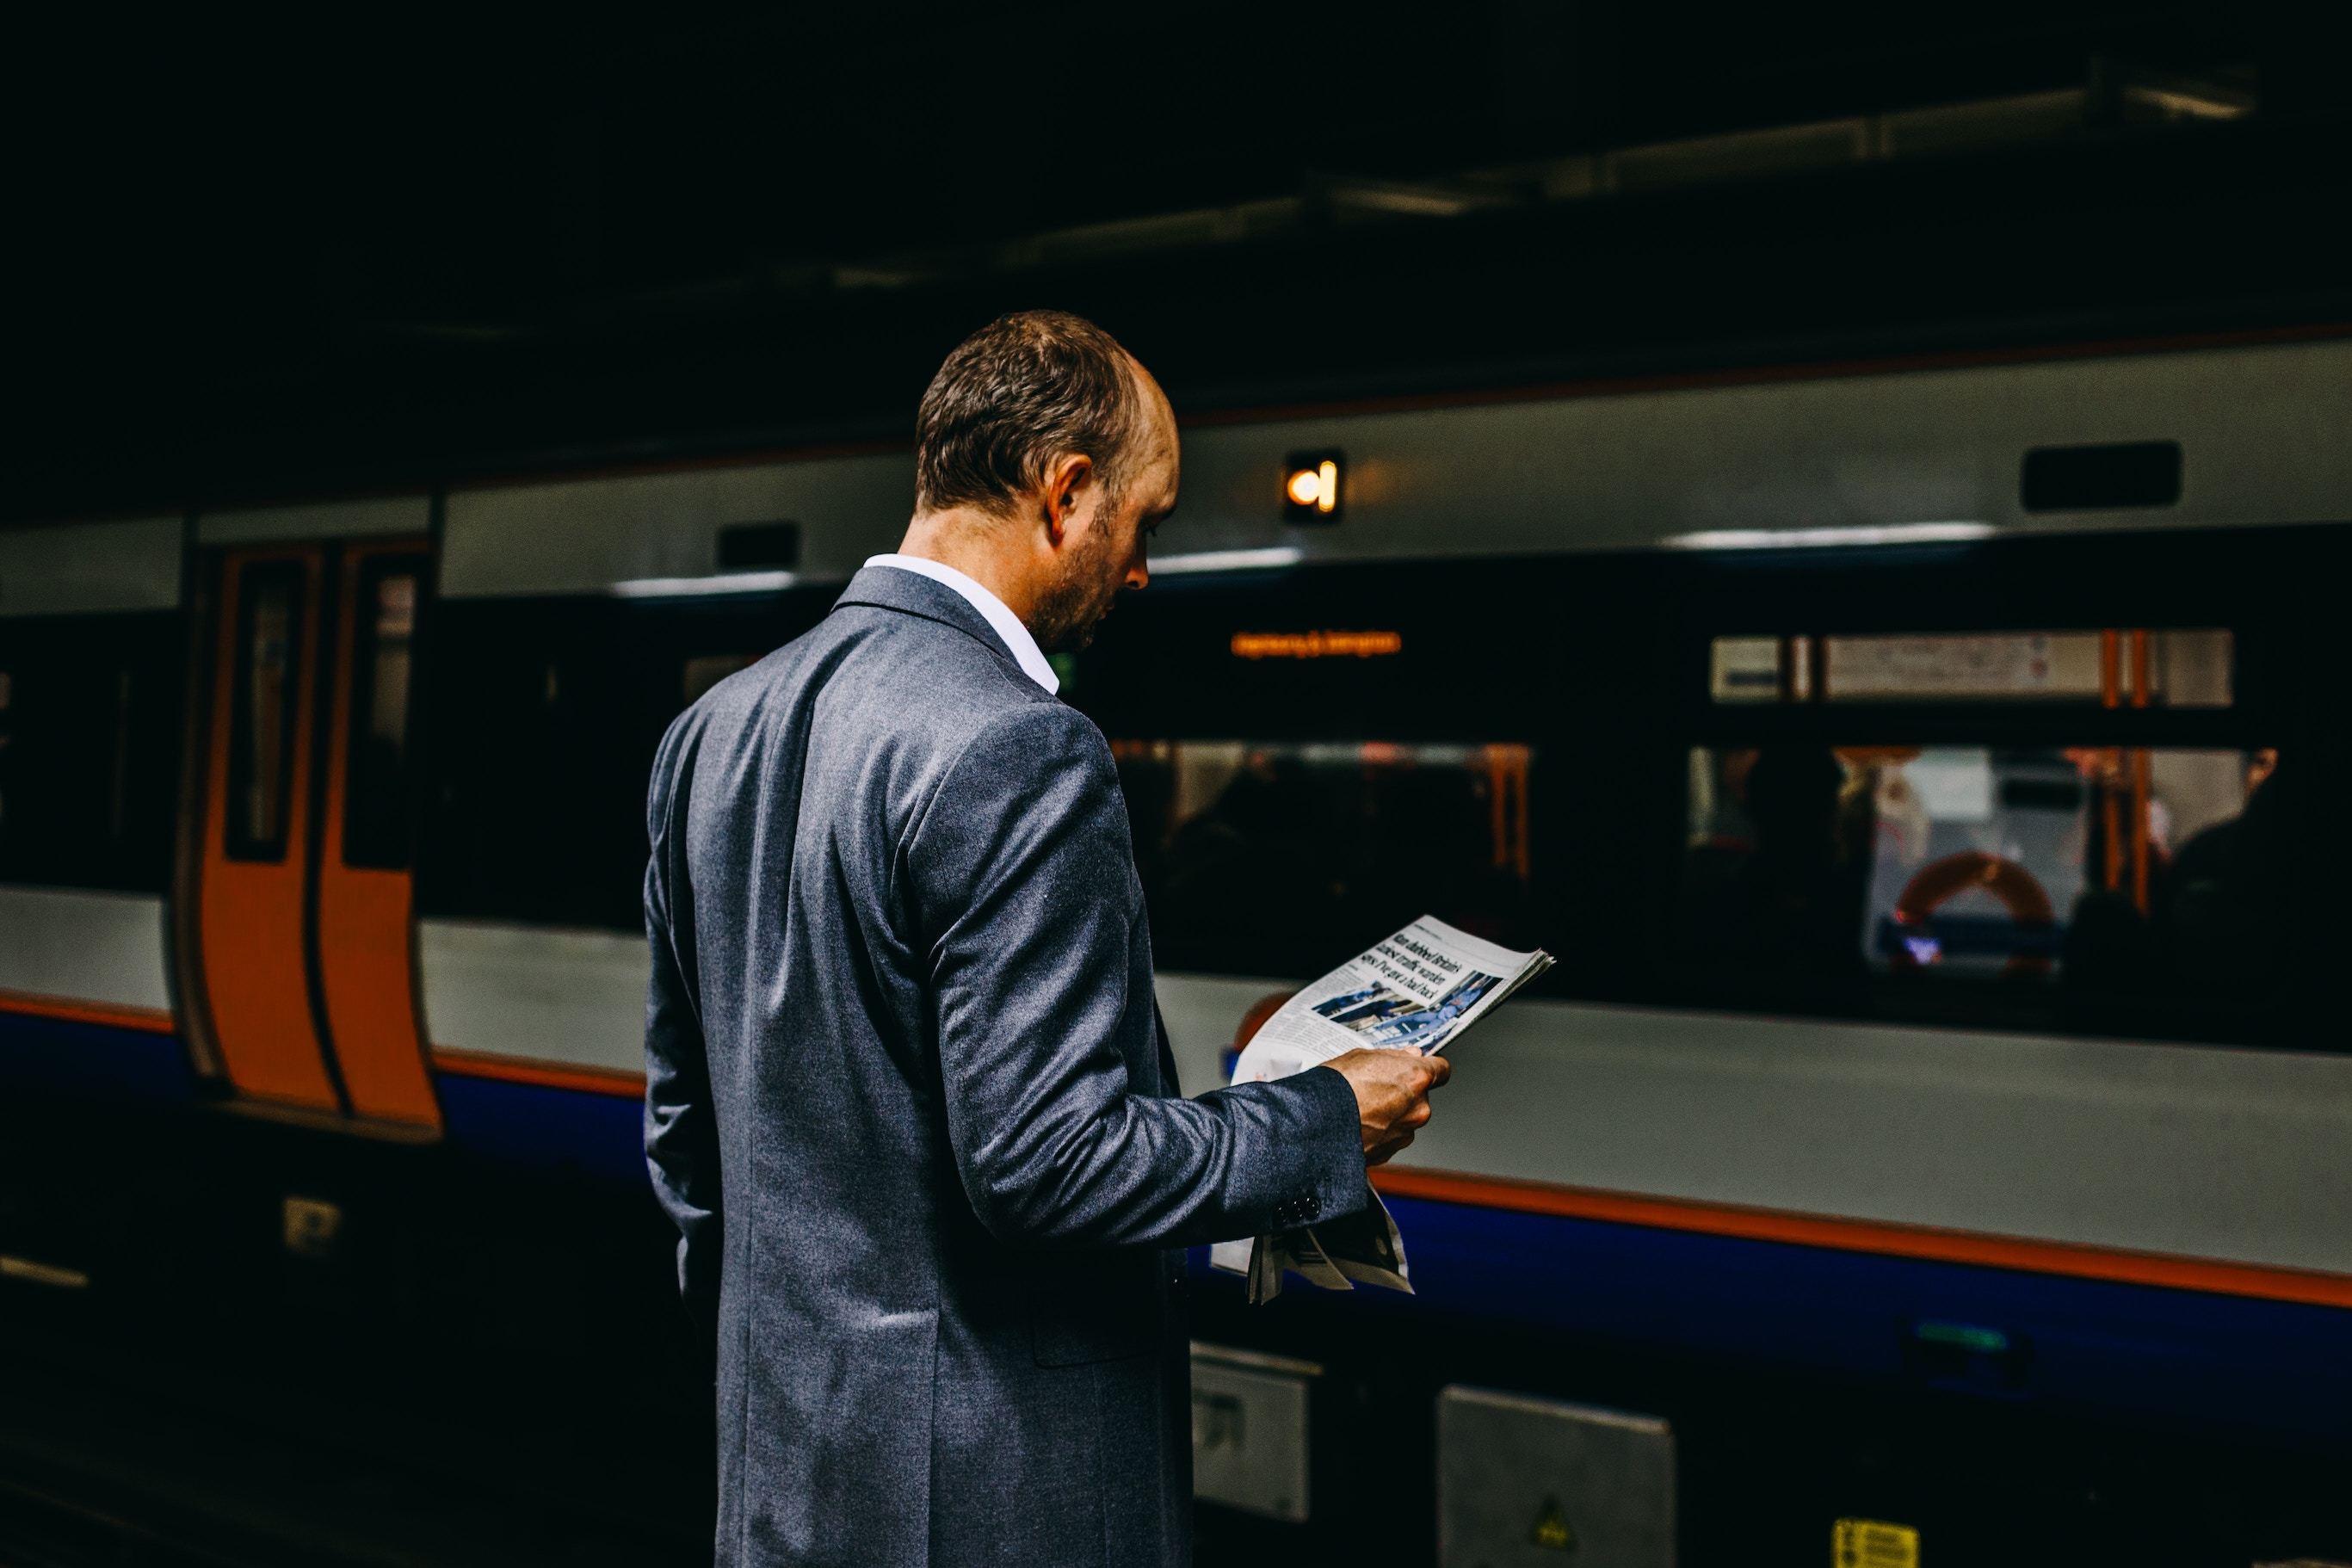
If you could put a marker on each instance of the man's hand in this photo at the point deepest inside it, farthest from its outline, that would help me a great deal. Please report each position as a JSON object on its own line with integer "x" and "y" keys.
{"x": 1392, "y": 1095}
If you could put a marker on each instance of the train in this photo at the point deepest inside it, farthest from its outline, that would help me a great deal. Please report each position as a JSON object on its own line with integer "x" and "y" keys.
{"x": 1931, "y": 1138}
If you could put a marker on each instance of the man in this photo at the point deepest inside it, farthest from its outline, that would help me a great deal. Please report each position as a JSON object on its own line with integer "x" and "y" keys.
{"x": 907, "y": 1095}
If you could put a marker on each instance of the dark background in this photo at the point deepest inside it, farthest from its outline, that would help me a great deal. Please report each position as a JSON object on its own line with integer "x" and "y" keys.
{"x": 252, "y": 259}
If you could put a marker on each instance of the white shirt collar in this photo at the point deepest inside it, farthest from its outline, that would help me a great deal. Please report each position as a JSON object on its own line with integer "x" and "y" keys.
{"x": 1006, "y": 625}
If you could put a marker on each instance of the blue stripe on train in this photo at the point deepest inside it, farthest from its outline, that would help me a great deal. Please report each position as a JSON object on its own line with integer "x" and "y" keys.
{"x": 2268, "y": 1366}
{"x": 599, "y": 1136}
{"x": 44, "y": 1062}
{"x": 64, "y": 1058}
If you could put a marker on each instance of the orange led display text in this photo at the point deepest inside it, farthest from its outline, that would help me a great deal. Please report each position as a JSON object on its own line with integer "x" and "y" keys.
{"x": 1317, "y": 645}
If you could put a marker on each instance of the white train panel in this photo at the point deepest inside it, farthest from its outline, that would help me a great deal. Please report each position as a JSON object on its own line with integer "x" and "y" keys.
{"x": 2208, "y": 1153}
{"x": 585, "y": 535}
{"x": 70, "y": 945}
{"x": 91, "y": 568}
{"x": 1626, "y": 470}
{"x": 1618, "y": 470}
{"x": 576, "y": 998}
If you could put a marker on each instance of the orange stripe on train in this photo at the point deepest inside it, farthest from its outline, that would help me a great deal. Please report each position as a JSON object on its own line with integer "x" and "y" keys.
{"x": 113, "y": 1015}
{"x": 2311, "y": 1287}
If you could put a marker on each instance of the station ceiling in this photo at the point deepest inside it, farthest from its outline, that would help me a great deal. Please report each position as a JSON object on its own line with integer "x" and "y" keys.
{"x": 261, "y": 260}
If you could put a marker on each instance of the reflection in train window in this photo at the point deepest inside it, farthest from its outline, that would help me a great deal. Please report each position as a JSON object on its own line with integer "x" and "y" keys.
{"x": 375, "y": 820}
{"x": 2131, "y": 669}
{"x": 2091, "y": 867}
{"x": 261, "y": 721}
{"x": 1283, "y": 857}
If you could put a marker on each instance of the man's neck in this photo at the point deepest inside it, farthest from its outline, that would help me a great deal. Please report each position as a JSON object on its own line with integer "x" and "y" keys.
{"x": 983, "y": 548}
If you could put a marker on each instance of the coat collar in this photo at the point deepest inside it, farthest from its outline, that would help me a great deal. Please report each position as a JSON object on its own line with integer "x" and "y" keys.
{"x": 887, "y": 588}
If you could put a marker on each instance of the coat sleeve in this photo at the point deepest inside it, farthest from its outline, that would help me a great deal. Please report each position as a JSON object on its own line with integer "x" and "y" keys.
{"x": 681, "y": 1123}
{"x": 1020, "y": 870}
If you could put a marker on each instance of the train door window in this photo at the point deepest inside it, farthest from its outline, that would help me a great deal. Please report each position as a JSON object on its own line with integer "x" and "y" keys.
{"x": 375, "y": 821}
{"x": 261, "y": 723}
{"x": 1272, "y": 857}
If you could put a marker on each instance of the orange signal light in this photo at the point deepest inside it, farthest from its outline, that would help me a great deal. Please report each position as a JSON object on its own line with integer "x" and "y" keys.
{"x": 1310, "y": 487}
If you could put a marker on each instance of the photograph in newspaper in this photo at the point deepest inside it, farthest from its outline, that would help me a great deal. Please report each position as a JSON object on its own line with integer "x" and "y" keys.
{"x": 1415, "y": 991}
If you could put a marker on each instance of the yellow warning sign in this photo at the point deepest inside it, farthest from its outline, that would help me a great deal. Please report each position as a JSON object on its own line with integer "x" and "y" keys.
{"x": 1872, "y": 1543}
{"x": 1551, "y": 1531}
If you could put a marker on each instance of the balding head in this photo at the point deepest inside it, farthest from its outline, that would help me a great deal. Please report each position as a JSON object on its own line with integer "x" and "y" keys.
{"x": 1044, "y": 458}
{"x": 1023, "y": 391}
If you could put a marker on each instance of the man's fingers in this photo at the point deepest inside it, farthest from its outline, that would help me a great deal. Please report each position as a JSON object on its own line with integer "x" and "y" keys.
{"x": 1391, "y": 1094}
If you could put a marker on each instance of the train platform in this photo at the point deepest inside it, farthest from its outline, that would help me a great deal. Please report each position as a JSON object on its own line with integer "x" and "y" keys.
{"x": 177, "y": 1470}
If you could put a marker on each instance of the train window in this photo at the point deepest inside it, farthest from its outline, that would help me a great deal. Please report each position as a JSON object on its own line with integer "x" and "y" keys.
{"x": 102, "y": 702}
{"x": 118, "y": 772}
{"x": 2119, "y": 868}
{"x": 1254, "y": 854}
{"x": 87, "y": 772}
{"x": 546, "y": 713}
{"x": 375, "y": 807}
{"x": 2136, "y": 668}
{"x": 261, "y": 721}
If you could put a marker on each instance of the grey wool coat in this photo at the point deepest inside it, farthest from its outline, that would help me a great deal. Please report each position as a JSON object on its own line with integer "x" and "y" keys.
{"x": 909, "y": 1104}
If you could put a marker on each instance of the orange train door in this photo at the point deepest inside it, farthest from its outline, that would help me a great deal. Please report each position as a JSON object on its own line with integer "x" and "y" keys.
{"x": 300, "y": 922}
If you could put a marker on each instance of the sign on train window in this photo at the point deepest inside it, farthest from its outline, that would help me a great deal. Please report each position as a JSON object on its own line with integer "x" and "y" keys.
{"x": 1274, "y": 857}
{"x": 2130, "y": 668}
{"x": 2097, "y": 866}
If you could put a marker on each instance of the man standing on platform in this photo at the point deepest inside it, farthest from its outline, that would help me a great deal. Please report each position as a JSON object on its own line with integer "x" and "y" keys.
{"x": 907, "y": 1093}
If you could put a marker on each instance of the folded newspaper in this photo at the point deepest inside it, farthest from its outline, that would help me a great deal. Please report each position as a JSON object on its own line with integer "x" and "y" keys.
{"x": 1419, "y": 990}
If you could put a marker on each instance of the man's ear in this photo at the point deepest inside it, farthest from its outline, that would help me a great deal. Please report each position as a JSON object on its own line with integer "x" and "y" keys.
{"x": 1064, "y": 482}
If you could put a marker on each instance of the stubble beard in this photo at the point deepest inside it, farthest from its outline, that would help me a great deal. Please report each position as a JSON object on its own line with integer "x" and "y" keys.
{"x": 1069, "y": 612}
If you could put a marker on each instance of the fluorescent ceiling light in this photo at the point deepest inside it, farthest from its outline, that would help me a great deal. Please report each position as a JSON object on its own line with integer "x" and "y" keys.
{"x": 686, "y": 587}
{"x": 1815, "y": 538}
{"x": 1230, "y": 560}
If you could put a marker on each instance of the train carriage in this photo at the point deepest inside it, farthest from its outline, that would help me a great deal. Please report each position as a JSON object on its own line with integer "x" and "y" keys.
{"x": 1923, "y": 775}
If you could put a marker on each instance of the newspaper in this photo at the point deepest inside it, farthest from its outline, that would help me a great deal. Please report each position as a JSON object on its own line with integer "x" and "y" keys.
{"x": 1419, "y": 990}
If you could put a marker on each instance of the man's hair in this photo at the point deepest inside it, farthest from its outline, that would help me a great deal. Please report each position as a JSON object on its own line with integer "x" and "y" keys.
{"x": 1024, "y": 390}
